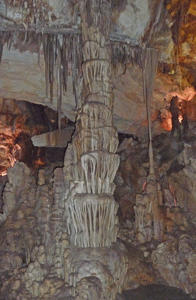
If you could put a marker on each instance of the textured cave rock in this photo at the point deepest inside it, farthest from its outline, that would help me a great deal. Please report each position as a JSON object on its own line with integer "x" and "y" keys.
{"x": 175, "y": 261}
{"x": 19, "y": 122}
{"x": 58, "y": 226}
{"x": 152, "y": 23}
{"x": 42, "y": 261}
{"x": 173, "y": 258}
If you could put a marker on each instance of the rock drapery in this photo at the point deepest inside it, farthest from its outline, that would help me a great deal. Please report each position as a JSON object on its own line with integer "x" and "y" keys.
{"x": 40, "y": 263}
{"x": 92, "y": 209}
{"x": 156, "y": 30}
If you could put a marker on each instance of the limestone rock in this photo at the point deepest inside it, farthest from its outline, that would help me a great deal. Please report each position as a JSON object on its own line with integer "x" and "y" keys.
{"x": 19, "y": 178}
{"x": 107, "y": 265}
{"x": 133, "y": 22}
{"x": 53, "y": 139}
{"x": 90, "y": 205}
{"x": 89, "y": 288}
{"x": 176, "y": 266}
{"x": 129, "y": 19}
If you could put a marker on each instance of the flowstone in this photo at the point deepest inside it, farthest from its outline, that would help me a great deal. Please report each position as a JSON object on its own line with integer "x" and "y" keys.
{"x": 92, "y": 220}
{"x": 94, "y": 266}
{"x": 102, "y": 268}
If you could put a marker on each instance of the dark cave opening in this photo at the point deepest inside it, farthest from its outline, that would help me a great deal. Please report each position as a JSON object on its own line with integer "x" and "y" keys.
{"x": 19, "y": 121}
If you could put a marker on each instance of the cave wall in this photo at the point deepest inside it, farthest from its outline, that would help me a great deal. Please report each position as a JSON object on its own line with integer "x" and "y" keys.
{"x": 51, "y": 258}
{"x": 142, "y": 23}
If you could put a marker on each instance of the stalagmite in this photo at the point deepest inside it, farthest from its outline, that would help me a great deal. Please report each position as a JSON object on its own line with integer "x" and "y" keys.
{"x": 150, "y": 67}
{"x": 147, "y": 223}
{"x": 92, "y": 220}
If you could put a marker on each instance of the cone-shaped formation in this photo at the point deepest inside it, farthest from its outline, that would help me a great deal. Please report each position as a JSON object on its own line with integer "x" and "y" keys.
{"x": 147, "y": 212}
{"x": 148, "y": 222}
{"x": 92, "y": 209}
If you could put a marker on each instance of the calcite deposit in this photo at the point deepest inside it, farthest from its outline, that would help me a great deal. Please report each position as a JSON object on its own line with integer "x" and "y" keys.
{"x": 104, "y": 208}
{"x": 39, "y": 259}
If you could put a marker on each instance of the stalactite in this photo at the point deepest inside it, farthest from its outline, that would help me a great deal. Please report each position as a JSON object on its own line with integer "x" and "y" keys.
{"x": 177, "y": 38}
{"x": 69, "y": 48}
{"x": 94, "y": 219}
{"x": 62, "y": 52}
{"x": 49, "y": 57}
{"x": 39, "y": 48}
{"x": 74, "y": 70}
{"x": 70, "y": 56}
{"x": 159, "y": 10}
{"x": 76, "y": 62}
{"x": 64, "y": 64}
{"x": 10, "y": 41}
{"x": 59, "y": 83}
{"x": 88, "y": 12}
{"x": 46, "y": 58}
{"x": 51, "y": 63}
{"x": 125, "y": 53}
{"x": 1, "y": 46}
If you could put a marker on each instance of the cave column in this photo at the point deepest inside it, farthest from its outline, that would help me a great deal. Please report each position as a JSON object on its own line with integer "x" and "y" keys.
{"x": 147, "y": 212}
{"x": 92, "y": 220}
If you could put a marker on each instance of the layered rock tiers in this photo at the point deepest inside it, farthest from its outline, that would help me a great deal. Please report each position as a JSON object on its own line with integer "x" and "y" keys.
{"x": 92, "y": 220}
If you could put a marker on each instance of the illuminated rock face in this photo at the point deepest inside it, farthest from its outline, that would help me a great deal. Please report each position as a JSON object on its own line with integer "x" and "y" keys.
{"x": 92, "y": 218}
{"x": 137, "y": 20}
{"x": 18, "y": 122}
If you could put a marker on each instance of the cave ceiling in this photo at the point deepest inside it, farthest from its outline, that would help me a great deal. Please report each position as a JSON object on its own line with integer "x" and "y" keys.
{"x": 168, "y": 26}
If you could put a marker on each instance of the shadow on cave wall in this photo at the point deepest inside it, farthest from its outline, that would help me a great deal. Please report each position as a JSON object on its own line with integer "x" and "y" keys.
{"x": 155, "y": 292}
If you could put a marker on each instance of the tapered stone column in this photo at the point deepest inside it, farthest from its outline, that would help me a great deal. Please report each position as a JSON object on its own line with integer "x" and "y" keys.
{"x": 92, "y": 220}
